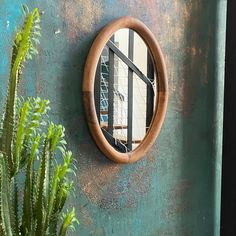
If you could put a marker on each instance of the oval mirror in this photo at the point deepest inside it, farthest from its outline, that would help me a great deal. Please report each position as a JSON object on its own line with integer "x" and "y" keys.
{"x": 125, "y": 90}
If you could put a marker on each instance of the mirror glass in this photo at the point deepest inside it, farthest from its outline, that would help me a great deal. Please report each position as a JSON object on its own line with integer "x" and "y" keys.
{"x": 125, "y": 90}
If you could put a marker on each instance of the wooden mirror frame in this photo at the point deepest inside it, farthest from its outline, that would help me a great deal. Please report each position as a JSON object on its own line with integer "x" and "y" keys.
{"x": 88, "y": 89}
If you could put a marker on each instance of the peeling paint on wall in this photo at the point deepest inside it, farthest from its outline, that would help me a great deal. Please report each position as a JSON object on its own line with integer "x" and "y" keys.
{"x": 80, "y": 16}
{"x": 105, "y": 188}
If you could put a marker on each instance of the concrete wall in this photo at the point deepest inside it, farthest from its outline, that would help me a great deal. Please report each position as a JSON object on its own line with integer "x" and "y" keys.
{"x": 175, "y": 189}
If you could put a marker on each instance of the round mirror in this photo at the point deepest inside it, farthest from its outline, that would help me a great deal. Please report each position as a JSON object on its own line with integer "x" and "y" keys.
{"x": 125, "y": 90}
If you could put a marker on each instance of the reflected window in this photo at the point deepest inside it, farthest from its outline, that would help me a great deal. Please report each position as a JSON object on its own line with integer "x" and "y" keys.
{"x": 125, "y": 90}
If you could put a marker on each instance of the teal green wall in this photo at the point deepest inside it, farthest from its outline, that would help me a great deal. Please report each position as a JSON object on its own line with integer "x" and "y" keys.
{"x": 175, "y": 189}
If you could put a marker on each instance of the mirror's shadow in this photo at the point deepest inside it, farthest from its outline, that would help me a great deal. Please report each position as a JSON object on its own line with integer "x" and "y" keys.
{"x": 125, "y": 90}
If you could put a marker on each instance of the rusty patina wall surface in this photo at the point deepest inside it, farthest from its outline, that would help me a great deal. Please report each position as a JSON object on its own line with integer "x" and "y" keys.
{"x": 175, "y": 189}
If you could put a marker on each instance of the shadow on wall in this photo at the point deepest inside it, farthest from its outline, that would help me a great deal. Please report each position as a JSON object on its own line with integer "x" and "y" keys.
{"x": 200, "y": 112}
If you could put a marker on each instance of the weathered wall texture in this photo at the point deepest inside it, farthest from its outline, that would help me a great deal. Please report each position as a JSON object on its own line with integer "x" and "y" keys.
{"x": 175, "y": 189}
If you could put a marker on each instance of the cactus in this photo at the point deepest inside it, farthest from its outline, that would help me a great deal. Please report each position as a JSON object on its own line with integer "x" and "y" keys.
{"x": 33, "y": 150}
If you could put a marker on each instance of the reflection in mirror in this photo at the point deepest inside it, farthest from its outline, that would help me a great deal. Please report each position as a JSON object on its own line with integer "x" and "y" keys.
{"x": 125, "y": 90}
